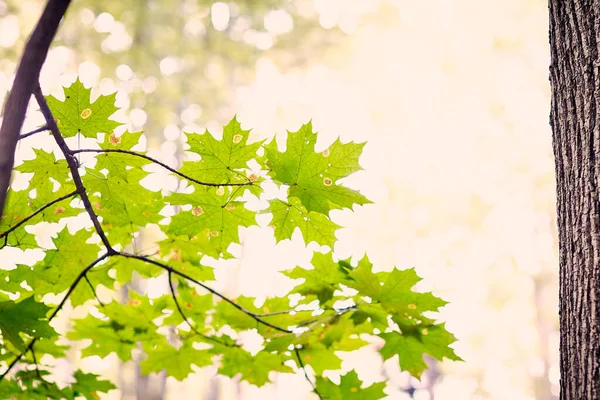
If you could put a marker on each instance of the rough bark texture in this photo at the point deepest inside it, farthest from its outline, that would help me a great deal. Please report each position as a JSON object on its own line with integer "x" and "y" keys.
{"x": 26, "y": 80}
{"x": 575, "y": 120}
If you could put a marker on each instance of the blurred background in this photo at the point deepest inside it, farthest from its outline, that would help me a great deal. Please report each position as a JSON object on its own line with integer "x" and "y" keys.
{"x": 453, "y": 100}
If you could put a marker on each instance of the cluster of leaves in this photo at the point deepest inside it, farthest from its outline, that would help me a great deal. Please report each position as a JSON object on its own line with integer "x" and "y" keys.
{"x": 341, "y": 308}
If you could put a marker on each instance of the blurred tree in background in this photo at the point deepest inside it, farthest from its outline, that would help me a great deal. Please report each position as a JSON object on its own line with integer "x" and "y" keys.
{"x": 178, "y": 60}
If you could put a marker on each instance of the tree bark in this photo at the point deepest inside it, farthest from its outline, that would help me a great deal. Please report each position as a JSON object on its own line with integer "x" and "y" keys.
{"x": 26, "y": 80}
{"x": 575, "y": 121}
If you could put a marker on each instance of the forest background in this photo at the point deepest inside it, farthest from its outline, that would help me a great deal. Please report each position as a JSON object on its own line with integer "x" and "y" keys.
{"x": 453, "y": 100}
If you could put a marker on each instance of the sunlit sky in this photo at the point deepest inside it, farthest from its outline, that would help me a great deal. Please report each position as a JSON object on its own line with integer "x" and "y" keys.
{"x": 452, "y": 99}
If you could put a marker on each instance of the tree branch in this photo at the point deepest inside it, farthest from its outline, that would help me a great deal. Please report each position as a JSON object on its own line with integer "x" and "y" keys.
{"x": 93, "y": 290}
{"x": 306, "y": 373}
{"x": 165, "y": 166}
{"x": 73, "y": 165}
{"x": 26, "y": 80}
{"x": 56, "y": 310}
{"x": 24, "y": 220}
{"x": 33, "y": 132}
{"x": 209, "y": 338}
{"x": 207, "y": 288}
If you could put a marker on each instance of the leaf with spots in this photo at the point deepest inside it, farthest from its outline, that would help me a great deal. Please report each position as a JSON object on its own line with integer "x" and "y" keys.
{"x": 77, "y": 114}
{"x": 313, "y": 177}
{"x": 222, "y": 161}
{"x": 212, "y": 216}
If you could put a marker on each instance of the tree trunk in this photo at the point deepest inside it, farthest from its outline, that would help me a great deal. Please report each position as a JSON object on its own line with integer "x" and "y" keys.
{"x": 575, "y": 120}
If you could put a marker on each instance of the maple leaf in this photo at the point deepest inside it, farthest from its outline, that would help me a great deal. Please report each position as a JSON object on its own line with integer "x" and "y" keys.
{"x": 87, "y": 385}
{"x": 26, "y": 316}
{"x": 313, "y": 177}
{"x": 213, "y": 215}
{"x": 254, "y": 369}
{"x": 176, "y": 362}
{"x": 76, "y": 114}
{"x": 314, "y": 226}
{"x": 434, "y": 340}
{"x": 349, "y": 388}
{"x": 17, "y": 209}
{"x": 222, "y": 161}
{"x": 320, "y": 281}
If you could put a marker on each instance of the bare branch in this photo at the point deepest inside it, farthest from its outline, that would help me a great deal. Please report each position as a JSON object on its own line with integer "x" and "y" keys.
{"x": 24, "y": 220}
{"x": 25, "y": 82}
{"x": 165, "y": 166}
{"x": 207, "y": 288}
{"x": 33, "y": 132}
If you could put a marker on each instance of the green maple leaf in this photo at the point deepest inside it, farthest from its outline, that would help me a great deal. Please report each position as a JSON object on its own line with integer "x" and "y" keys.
{"x": 123, "y": 142}
{"x": 194, "y": 306}
{"x": 139, "y": 312}
{"x": 225, "y": 314}
{"x": 17, "y": 209}
{"x": 254, "y": 369}
{"x": 312, "y": 176}
{"x": 322, "y": 280}
{"x": 185, "y": 249}
{"x": 87, "y": 385}
{"x": 393, "y": 290}
{"x": 176, "y": 362}
{"x": 223, "y": 161}
{"x": 291, "y": 215}
{"x": 320, "y": 358}
{"x": 123, "y": 204}
{"x": 410, "y": 346}
{"x": 109, "y": 336}
{"x": 124, "y": 268}
{"x": 77, "y": 114}
{"x": 213, "y": 215}
{"x": 58, "y": 270}
{"x": 46, "y": 169}
{"x": 349, "y": 388}
{"x": 26, "y": 316}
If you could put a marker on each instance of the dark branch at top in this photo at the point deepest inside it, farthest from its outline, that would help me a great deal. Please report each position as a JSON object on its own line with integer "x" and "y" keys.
{"x": 26, "y": 80}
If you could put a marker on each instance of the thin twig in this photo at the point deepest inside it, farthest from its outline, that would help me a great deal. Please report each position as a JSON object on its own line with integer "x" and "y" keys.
{"x": 25, "y": 82}
{"x": 33, "y": 132}
{"x": 37, "y": 369}
{"x": 165, "y": 166}
{"x": 209, "y": 338}
{"x": 207, "y": 288}
{"x": 56, "y": 310}
{"x": 93, "y": 290}
{"x": 73, "y": 165}
{"x": 39, "y": 210}
{"x": 306, "y": 373}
